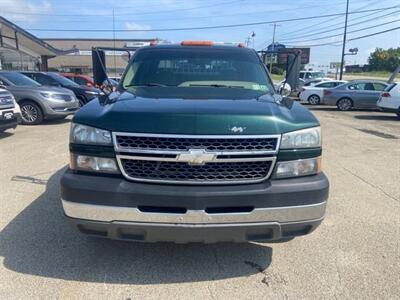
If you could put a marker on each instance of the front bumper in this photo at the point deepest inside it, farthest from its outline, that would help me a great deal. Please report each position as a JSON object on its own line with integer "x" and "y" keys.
{"x": 119, "y": 209}
{"x": 10, "y": 123}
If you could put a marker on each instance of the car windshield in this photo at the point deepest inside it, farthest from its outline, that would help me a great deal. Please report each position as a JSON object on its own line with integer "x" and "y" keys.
{"x": 19, "y": 79}
{"x": 317, "y": 74}
{"x": 197, "y": 71}
{"x": 62, "y": 80}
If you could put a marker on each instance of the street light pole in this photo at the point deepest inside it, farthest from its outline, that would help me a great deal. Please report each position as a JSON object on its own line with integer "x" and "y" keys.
{"x": 344, "y": 41}
{"x": 272, "y": 50}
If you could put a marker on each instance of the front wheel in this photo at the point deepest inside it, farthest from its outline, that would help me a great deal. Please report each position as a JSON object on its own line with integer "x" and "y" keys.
{"x": 314, "y": 99}
{"x": 31, "y": 113}
{"x": 344, "y": 104}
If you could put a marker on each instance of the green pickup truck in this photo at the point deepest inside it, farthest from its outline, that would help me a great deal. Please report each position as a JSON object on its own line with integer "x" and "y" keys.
{"x": 195, "y": 145}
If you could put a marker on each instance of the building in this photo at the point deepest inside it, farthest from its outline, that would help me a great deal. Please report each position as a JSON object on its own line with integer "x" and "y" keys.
{"x": 21, "y": 50}
{"x": 80, "y": 60}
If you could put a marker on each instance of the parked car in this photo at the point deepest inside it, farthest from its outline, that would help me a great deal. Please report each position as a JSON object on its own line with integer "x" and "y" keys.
{"x": 314, "y": 94}
{"x": 115, "y": 78}
{"x": 38, "y": 102}
{"x": 355, "y": 94}
{"x": 309, "y": 76}
{"x": 195, "y": 146}
{"x": 79, "y": 79}
{"x": 390, "y": 99}
{"x": 83, "y": 93}
{"x": 10, "y": 113}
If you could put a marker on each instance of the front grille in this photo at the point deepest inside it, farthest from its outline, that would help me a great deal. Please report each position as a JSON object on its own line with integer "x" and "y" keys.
{"x": 66, "y": 97}
{"x": 127, "y": 142}
{"x": 183, "y": 172}
{"x": 195, "y": 159}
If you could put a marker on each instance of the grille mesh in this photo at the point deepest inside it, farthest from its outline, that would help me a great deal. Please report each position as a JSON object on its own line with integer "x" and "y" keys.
{"x": 212, "y": 172}
{"x": 184, "y": 144}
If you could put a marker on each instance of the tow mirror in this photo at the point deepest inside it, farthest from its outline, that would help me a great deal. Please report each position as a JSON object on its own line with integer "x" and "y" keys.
{"x": 99, "y": 70}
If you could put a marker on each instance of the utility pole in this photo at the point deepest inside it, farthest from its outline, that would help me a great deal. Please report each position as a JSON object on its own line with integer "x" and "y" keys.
{"x": 272, "y": 49}
{"x": 344, "y": 41}
{"x": 115, "y": 59}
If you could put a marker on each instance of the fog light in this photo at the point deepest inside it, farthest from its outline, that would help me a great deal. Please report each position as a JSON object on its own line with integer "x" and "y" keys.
{"x": 297, "y": 168}
{"x": 93, "y": 164}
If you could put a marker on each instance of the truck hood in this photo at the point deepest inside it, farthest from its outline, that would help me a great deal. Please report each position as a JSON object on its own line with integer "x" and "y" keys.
{"x": 265, "y": 115}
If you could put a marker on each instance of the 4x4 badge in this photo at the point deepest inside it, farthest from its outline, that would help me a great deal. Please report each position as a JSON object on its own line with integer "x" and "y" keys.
{"x": 196, "y": 157}
{"x": 238, "y": 129}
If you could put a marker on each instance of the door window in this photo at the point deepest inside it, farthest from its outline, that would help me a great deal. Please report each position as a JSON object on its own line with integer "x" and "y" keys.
{"x": 379, "y": 86}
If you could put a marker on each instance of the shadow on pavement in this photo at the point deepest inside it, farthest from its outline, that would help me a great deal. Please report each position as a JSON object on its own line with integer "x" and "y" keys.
{"x": 39, "y": 241}
{"x": 378, "y": 117}
{"x": 6, "y": 134}
{"x": 56, "y": 121}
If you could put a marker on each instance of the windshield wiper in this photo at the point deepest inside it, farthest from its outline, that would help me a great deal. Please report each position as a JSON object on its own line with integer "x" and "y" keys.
{"x": 149, "y": 84}
{"x": 218, "y": 86}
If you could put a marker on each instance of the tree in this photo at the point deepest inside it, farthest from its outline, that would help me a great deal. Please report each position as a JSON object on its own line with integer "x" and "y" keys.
{"x": 384, "y": 60}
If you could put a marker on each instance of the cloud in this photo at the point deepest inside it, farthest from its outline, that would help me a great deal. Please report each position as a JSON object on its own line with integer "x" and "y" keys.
{"x": 136, "y": 26}
{"x": 23, "y": 10}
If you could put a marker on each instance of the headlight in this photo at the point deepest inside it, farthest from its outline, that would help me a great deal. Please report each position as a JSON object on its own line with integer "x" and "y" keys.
{"x": 82, "y": 134}
{"x": 297, "y": 168}
{"x": 305, "y": 138}
{"x": 93, "y": 164}
{"x": 6, "y": 100}
{"x": 60, "y": 97}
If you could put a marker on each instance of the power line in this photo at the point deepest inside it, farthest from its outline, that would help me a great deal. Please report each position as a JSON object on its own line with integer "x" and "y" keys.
{"x": 340, "y": 34}
{"x": 349, "y": 40}
{"x": 206, "y": 27}
{"x": 124, "y": 14}
{"x": 338, "y": 28}
{"x": 307, "y": 29}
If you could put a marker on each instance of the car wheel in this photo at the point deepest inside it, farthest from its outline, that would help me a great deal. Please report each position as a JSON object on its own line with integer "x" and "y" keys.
{"x": 314, "y": 99}
{"x": 344, "y": 104}
{"x": 31, "y": 113}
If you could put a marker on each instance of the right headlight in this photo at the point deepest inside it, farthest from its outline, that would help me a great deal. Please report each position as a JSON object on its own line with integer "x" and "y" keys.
{"x": 83, "y": 134}
{"x": 304, "y": 138}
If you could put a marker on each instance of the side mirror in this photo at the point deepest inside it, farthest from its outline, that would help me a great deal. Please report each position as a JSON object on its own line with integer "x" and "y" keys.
{"x": 99, "y": 63}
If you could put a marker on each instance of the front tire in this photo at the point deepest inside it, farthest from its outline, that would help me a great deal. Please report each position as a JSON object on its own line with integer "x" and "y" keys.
{"x": 314, "y": 99}
{"x": 31, "y": 113}
{"x": 344, "y": 104}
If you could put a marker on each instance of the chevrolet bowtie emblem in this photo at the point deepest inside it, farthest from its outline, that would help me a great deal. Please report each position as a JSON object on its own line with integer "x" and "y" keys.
{"x": 196, "y": 157}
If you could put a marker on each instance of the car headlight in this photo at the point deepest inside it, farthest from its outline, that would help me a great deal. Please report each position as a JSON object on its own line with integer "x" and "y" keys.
{"x": 93, "y": 164}
{"x": 83, "y": 134}
{"x": 6, "y": 100}
{"x": 60, "y": 97}
{"x": 297, "y": 168}
{"x": 305, "y": 138}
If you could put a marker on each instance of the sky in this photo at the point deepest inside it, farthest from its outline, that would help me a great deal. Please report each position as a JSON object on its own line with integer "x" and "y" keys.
{"x": 160, "y": 14}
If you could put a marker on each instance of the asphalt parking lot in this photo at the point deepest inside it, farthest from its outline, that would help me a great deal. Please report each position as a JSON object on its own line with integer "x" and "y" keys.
{"x": 354, "y": 254}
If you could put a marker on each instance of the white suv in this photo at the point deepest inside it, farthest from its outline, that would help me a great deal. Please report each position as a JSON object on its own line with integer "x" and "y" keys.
{"x": 390, "y": 99}
{"x": 10, "y": 114}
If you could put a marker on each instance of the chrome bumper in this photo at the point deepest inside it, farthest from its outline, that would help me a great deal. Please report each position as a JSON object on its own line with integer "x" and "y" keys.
{"x": 127, "y": 214}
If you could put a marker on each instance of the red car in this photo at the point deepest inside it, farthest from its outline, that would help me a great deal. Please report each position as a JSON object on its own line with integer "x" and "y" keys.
{"x": 80, "y": 79}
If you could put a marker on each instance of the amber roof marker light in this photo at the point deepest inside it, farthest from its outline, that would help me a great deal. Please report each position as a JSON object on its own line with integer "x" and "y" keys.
{"x": 197, "y": 43}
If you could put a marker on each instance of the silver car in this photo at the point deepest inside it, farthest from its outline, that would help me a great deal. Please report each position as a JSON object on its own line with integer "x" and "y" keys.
{"x": 355, "y": 94}
{"x": 38, "y": 102}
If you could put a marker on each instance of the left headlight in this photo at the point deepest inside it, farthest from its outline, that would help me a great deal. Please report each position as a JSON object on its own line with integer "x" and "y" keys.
{"x": 305, "y": 138}
{"x": 83, "y": 134}
{"x": 298, "y": 168}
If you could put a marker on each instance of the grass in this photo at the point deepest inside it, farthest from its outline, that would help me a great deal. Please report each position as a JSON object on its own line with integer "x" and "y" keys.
{"x": 276, "y": 77}
{"x": 376, "y": 74}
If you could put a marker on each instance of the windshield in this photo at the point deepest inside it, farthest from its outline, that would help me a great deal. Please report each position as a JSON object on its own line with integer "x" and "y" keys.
{"x": 62, "y": 80}
{"x": 19, "y": 79}
{"x": 317, "y": 75}
{"x": 204, "y": 68}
